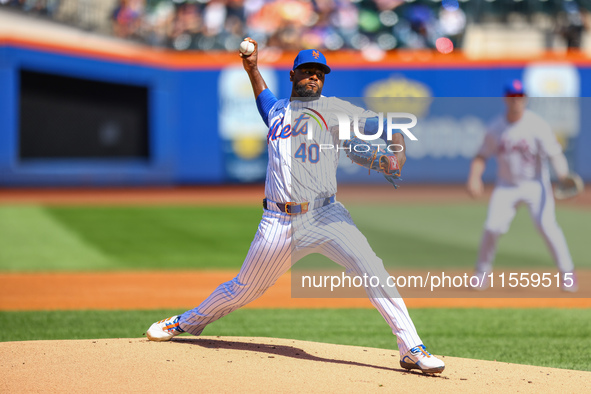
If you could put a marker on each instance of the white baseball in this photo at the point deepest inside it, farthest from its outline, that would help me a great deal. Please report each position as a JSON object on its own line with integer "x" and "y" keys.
{"x": 246, "y": 48}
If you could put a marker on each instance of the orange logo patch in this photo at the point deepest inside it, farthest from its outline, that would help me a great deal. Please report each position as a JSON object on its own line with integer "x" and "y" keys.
{"x": 316, "y": 54}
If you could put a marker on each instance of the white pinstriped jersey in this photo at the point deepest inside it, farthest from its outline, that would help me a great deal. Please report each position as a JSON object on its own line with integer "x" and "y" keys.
{"x": 521, "y": 148}
{"x": 302, "y": 169}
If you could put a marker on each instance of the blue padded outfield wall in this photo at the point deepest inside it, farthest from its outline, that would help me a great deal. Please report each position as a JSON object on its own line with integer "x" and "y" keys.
{"x": 203, "y": 127}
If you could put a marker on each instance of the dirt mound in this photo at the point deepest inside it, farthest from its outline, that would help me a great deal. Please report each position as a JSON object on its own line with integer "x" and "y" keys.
{"x": 241, "y": 364}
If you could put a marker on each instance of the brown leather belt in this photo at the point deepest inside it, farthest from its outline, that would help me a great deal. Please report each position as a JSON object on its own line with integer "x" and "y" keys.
{"x": 295, "y": 208}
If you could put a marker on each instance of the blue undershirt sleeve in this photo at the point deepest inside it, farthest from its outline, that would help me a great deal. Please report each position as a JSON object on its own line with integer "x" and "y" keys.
{"x": 265, "y": 102}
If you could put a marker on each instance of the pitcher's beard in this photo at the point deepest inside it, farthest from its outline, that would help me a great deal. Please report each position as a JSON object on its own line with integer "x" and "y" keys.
{"x": 304, "y": 91}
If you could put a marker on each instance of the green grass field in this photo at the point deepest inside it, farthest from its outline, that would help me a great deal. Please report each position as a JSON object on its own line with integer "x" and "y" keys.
{"x": 121, "y": 238}
{"x": 37, "y": 238}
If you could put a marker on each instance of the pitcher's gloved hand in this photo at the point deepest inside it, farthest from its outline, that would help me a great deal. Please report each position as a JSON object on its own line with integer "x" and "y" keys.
{"x": 373, "y": 156}
{"x": 569, "y": 187}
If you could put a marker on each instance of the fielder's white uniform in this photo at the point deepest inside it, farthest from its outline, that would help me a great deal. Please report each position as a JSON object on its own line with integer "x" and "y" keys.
{"x": 522, "y": 149}
{"x": 300, "y": 171}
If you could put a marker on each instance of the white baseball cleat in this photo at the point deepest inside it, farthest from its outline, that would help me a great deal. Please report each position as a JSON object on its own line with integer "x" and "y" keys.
{"x": 480, "y": 280}
{"x": 419, "y": 358}
{"x": 164, "y": 330}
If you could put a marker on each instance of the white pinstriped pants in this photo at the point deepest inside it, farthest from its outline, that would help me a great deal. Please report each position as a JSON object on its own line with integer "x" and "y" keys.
{"x": 280, "y": 242}
{"x": 538, "y": 197}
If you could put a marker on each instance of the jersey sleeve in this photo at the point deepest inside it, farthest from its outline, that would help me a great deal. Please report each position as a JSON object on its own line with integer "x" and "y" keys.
{"x": 489, "y": 145}
{"x": 547, "y": 141}
{"x": 265, "y": 102}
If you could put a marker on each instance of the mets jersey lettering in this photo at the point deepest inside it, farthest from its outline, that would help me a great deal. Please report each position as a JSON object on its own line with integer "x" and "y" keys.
{"x": 298, "y": 170}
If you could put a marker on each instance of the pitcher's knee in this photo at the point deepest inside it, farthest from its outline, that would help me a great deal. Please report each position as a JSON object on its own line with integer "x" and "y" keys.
{"x": 235, "y": 290}
{"x": 496, "y": 229}
{"x": 547, "y": 227}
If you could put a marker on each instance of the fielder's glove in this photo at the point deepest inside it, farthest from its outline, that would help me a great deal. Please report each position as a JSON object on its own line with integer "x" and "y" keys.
{"x": 569, "y": 187}
{"x": 373, "y": 157}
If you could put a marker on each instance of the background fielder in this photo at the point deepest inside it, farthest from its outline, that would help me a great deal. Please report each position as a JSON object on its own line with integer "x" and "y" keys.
{"x": 300, "y": 172}
{"x": 522, "y": 142}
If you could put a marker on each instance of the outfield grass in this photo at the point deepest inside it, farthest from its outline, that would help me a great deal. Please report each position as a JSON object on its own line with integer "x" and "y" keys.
{"x": 543, "y": 337}
{"x": 99, "y": 238}
{"x": 110, "y": 238}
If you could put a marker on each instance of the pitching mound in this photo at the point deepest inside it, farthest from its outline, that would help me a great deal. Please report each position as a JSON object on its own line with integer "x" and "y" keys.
{"x": 238, "y": 364}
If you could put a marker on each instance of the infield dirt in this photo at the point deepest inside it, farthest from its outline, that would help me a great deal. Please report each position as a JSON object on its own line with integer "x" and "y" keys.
{"x": 134, "y": 290}
{"x": 241, "y": 364}
{"x": 248, "y": 194}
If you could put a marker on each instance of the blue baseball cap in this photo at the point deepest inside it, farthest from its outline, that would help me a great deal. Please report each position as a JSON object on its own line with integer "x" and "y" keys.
{"x": 513, "y": 87}
{"x": 311, "y": 56}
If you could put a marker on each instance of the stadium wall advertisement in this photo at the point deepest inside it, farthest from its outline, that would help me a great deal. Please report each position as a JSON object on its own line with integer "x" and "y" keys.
{"x": 197, "y": 122}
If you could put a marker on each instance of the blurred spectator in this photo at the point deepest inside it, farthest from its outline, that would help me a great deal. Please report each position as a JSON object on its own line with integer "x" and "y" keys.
{"x": 186, "y": 24}
{"x": 452, "y": 21}
{"x": 45, "y": 7}
{"x": 127, "y": 18}
{"x": 572, "y": 22}
{"x": 379, "y": 25}
{"x": 419, "y": 29}
{"x": 158, "y": 23}
{"x": 214, "y": 16}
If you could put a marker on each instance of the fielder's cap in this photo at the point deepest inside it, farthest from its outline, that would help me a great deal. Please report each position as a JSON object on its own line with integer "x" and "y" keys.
{"x": 514, "y": 87}
{"x": 311, "y": 56}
